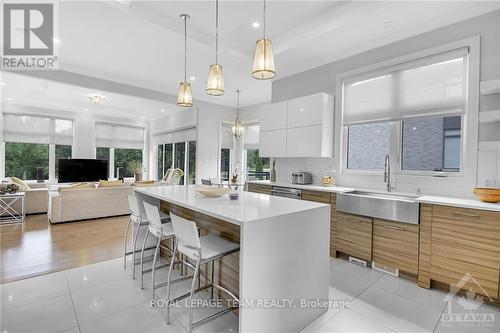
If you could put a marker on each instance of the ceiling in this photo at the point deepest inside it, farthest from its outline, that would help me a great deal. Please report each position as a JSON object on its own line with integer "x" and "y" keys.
{"x": 140, "y": 43}
{"x": 50, "y": 95}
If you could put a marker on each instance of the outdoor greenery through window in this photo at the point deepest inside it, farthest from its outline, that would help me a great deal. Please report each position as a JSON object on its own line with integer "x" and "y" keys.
{"x": 125, "y": 159}
{"x": 62, "y": 152}
{"x": 180, "y": 157}
{"x": 23, "y": 159}
{"x": 257, "y": 167}
{"x": 192, "y": 162}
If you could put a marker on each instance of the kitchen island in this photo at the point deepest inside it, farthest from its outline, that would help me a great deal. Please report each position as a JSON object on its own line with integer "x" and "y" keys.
{"x": 281, "y": 273}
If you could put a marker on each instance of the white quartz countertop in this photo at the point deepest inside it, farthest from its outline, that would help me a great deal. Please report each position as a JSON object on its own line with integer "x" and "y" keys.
{"x": 429, "y": 199}
{"x": 249, "y": 207}
{"x": 334, "y": 189}
{"x": 459, "y": 202}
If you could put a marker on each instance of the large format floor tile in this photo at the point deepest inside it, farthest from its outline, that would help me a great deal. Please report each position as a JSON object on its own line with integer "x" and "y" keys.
{"x": 138, "y": 318}
{"x": 347, "y": 321}
{"x": 52, "y": 315}
{"x": 91, "y": 275}
{"x": 395, "y": 312}
{"x": 27, "y": 291}
{"x": 106, "y": 298}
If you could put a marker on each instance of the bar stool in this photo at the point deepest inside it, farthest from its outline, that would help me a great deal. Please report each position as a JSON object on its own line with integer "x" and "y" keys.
{"x": 160, "y": 231}
{"x": 201, "y": 250}
{"x": 139, "y": 221}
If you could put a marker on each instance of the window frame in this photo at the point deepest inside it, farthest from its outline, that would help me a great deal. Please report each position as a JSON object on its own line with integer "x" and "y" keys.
{"x": 186, "y": 158}
{"x": 470, "y": 123}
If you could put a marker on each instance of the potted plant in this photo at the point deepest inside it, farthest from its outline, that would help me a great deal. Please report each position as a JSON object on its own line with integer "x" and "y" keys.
{"x": 137, "y": 168}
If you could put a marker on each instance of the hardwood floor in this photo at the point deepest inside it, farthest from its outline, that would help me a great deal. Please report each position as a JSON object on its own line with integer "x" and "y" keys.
{"x": 38, "y": 247}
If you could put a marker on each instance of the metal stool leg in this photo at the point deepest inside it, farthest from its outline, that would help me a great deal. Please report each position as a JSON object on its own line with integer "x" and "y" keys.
{"x": 195, "y": 275}
{"x": 125, "y": 243}
{"x": 136, "y": 235}
{"x": 212, "y": 280}
{"x": 157, "y": 249}
{"x": 168, "y": 280}
{"x": 142, "y": 257}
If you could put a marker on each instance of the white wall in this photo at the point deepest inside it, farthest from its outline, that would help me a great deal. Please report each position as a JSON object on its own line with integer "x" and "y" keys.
{"x": 323, "y": 79}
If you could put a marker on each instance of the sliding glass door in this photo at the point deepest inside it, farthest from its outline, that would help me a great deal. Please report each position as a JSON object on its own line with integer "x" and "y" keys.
{"x": 179, "y": 155}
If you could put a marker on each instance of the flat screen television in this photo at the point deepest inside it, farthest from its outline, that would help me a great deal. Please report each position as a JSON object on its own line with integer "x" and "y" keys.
{"x": 81, "y": 170}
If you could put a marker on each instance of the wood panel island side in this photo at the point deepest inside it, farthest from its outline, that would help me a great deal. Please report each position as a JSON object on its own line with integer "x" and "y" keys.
{"x": 283, "y": 258}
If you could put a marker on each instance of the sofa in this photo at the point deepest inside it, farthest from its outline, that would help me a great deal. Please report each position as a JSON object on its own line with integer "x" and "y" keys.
{"x": 72, "y": 204}
{"x": 36, "y": 198}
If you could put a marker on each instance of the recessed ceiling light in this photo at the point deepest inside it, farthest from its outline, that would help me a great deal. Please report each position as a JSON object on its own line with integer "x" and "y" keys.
{"x": 192, "y": 78}
{"x": 85, "y": 109}
{"x": 2, "y": 83}
{"x": 387, "y": 24}
{"x": 9, "y": 99}
{"x": 162, "y": 110}
{"x": 143, "y": 117}
{"x": 56, "y": 40}
{"x": 256, "y": 25}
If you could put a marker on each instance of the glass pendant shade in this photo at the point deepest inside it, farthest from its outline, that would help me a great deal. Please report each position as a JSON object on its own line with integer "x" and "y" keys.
{"x": 184, "y": 97}
{"x": 215, "y": 82}
{"x": 263, "y": 60}
{"x": 237, "y": 129}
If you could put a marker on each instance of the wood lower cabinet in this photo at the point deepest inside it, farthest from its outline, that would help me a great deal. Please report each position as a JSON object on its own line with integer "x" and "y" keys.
{"x": 395, "y": 245}
{"x": 316, "y": 196}
{"x": 354, "y": 235}
{"x": 259, "y": 188}
{"x": 465, "y": 249}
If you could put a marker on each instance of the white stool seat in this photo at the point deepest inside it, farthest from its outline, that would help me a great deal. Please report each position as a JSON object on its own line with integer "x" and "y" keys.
{"x": 212, "y": 247}
{"x": 167, "y": 230}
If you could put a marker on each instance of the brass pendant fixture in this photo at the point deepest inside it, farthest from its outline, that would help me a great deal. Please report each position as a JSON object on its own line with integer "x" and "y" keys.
{"x": 215, "y": 82}
{"x": 237, "y": 128}
{"x": 185, "y": 97}
{"x": 263, "y": 60}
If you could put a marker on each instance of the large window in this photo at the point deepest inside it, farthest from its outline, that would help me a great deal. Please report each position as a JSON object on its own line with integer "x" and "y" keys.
{"x": 34, "y": 144}
{"x": 412, "y": 112}
{"x": 125, "y": 160}
{"x": 225, "y": 163}
{"x": 368, "y": 144}
{"x": 432, "y": 144}
{"x": 257, "y": 167}
{"x": 173, "y": 155}
{"x": 192, "y": 162}
{"x": 24, "y": 160}
{"x": 102, "y": 153}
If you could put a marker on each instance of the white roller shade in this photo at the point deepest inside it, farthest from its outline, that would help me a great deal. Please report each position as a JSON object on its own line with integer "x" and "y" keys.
{"x": 251, "y": 137}
{"x": 33, "y": 129}
{"x": 433, "y": 85}
{"x": 175, "y": 136}
{"x": 226, "y": 138}
{"x": 119, "y": 136}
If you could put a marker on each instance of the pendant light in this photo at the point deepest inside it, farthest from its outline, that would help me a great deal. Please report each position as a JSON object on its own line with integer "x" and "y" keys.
{"x": 185, "y": 97}
{"x": 237, "y": 128}
{"x": 215, "y": 82}
{"x": 263, "y": 60}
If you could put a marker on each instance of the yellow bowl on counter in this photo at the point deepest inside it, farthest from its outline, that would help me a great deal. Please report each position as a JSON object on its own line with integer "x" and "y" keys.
{"x": 487, "y": 194}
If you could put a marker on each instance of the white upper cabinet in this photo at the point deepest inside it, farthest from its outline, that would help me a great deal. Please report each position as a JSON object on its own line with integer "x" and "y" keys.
{"x": 301, "y": 127}
{"x": 272, "y": 143}
{"x": 309, "y": 110}
{"x": 273, "y": 116}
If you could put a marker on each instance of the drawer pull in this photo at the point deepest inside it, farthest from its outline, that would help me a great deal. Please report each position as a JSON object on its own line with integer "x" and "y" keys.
{"x": 466, "y": 214}
{"x": 314, "y": 195}
{"x": 394, "y": 227}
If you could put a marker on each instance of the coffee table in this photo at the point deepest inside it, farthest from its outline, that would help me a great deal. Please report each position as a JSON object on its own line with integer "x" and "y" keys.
{"x": 12, "y": 208}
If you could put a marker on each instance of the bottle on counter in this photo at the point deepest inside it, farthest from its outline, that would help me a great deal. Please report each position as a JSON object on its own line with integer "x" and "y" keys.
{"x": 273, "y": 171}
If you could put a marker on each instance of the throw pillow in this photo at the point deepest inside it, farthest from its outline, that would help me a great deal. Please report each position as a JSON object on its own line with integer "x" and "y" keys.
{"x": 23, "y": 187}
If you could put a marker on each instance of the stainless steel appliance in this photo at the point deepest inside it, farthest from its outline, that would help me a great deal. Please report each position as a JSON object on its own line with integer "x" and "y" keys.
{"x": 286, "y": 192}
{"x": 302, "y": 178}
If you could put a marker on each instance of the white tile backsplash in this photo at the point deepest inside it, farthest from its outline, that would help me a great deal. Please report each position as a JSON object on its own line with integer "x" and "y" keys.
{"x": 488, "y": 164}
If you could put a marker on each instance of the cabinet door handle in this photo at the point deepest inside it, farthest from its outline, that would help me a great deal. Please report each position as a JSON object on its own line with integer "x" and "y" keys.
{"x": 394, "y": 227}
{"x": 466, "y": 214}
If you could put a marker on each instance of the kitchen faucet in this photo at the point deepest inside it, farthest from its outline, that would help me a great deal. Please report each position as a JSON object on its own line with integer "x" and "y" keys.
{"x": 387, "y": 172}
